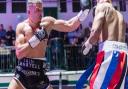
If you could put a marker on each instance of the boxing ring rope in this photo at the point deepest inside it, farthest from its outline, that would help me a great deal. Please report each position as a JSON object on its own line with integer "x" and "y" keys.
{"x": 59, "y": 56}
{"x": 75, "y": 63}
{"x": 59, "y": 73}
{"x": 64, "y": 73}
{"x": 7, "y": 59}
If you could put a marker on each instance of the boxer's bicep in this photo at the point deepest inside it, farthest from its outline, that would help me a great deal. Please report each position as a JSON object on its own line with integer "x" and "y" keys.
{"x": 66, "y": 26}
{"x": 74, "y": 23}
{"x": 20, "y": 39}
{"x": 61, "y": 25}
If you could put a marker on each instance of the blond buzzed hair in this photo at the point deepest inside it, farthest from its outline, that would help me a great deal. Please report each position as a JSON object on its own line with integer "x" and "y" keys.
{"x": 34, "y": 1}
{"x": 31, "y": 3}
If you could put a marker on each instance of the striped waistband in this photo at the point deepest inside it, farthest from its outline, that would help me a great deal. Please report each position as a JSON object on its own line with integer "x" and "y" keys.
{"x": 113, "y": 45}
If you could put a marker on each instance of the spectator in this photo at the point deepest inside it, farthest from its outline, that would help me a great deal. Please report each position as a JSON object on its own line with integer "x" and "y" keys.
{"x": 84, "y": 34}
{"x": 2, "y": 42}
{"x": 2, "y": 31}
{"x": 65, "y": 39}
{"x": 10, "y": 36}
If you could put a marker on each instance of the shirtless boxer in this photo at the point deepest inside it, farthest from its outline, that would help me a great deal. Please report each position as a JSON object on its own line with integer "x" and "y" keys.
{"x": 108, "y": 30}
{"x": 31, "y": 43}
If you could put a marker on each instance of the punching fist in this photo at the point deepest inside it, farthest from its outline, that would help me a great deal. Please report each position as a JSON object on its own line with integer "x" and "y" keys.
{"x": 86, "y": 6}
{"x": 86, "y": 47}
{"x": 38, "y": 37}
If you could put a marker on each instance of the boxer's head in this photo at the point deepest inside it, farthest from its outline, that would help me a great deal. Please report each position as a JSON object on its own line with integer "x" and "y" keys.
{"x": 34, "y": 8}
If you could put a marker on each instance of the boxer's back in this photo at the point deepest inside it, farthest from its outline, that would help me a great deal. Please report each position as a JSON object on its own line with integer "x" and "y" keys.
{"x": 113, "y": 26}
{"x": 121, "y": 27}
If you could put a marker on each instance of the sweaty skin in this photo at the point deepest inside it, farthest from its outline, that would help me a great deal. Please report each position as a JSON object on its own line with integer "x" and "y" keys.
{"x": 24, "y": 32}
{"x": 23, "y": 35}
{"x": 108, "y": 24}
{"x": 26, "y": 29}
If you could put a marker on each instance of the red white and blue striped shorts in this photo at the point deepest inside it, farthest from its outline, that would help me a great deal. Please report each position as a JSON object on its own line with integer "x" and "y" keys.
{"x": 111, "y": 66}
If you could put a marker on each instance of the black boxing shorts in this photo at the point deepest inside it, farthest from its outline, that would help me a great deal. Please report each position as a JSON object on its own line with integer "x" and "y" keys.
{"x": 30, "y": 73}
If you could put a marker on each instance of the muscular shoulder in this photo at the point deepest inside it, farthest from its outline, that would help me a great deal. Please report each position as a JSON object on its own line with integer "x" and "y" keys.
{"x": 47, "y": 18}
{"x": 100, "y": 7}
{"x": 107, "y": 10}
{"x": 47, "y": 22}
{"x": 20, "y": 27}
{"x": 105, "y": 7}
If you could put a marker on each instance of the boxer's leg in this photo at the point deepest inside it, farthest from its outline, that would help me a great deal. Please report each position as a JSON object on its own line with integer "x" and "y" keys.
{"x": 14, "y": 84}
{"x": 50, "y": 87}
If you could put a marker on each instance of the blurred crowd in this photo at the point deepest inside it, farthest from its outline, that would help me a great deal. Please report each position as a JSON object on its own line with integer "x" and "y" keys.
{"x": 7, "y": 36}
{"x": 74, "y": 38}
{"x": 77, "y": 37}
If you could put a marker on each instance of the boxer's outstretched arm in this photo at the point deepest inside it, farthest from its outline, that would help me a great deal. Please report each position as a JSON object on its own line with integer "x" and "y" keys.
{"x": 71, "y": 24}
{"x": 60, "y": 25}
{"x": 66, "y": 26}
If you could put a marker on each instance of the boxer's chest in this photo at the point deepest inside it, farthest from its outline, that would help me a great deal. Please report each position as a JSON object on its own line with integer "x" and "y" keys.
{"x": 29, "y": 32}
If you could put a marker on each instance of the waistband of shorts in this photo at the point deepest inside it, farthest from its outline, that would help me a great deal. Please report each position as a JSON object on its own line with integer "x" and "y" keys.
{"x": 43, "y": 59}
{"x": 113, "y": 45}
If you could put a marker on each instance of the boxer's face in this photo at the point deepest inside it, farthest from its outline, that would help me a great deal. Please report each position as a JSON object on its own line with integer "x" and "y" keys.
{"x": 35, "y": 12}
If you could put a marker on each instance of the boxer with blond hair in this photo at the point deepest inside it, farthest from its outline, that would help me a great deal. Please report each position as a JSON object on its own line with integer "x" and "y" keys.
{"x": 31, "y": 42}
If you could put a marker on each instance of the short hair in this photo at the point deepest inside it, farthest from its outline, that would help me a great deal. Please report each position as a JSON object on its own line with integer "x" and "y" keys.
{"x": 34, "y": 1}
{"x": 31, "y": 2}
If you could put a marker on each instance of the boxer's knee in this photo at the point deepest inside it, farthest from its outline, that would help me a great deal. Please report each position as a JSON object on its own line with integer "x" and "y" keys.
{"x": 50, "y": 87}
{"x": 14, "y": 85}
